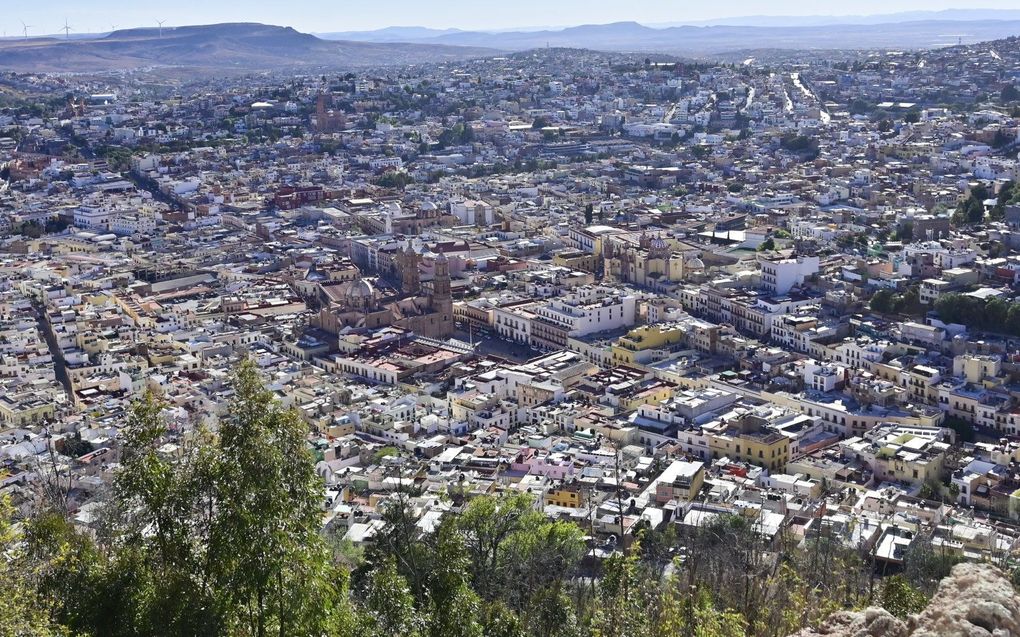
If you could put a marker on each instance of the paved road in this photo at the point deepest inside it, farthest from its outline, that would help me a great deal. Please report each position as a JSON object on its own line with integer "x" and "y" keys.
{"x": 148, "y": 185}
{"x": 59, "y": 368}
{"x": 493, "y": 346}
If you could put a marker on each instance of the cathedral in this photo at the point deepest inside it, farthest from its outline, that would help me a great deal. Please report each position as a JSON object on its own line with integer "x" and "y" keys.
{"x": 652, "y": 262}
{"x": 423, "y": 308}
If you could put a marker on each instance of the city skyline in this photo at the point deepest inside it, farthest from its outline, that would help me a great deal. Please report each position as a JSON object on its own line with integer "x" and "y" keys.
{"x": 636, "y": 324}
{"x": 51, "y": 17}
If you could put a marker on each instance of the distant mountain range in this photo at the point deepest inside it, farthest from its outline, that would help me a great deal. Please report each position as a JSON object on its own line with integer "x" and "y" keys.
{"x": 250, "y": 46}
{"x": 240, "y": 46}
{"x": 404, "y": 34}
{"x": 954, "y": 15}
{"x": 714, "y": 39}
{"x": 389, "y": 34}
{"x": 913, "y": 29}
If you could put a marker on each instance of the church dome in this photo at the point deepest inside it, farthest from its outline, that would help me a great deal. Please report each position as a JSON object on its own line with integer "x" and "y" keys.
{"x": 658, "y": 244}
{"x": 360, "y": 289}
{"x": 694, "y": 264}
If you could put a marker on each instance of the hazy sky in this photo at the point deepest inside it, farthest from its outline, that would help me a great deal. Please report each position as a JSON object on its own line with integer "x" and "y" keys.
{"x": 47, "y": 16}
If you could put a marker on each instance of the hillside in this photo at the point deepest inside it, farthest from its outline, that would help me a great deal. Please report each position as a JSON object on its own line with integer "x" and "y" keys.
{"x": 975, "y": 600}
{"x": 700, "y": 40}
{"x": 243, "y": 46}
{"x": 389, "y": 34}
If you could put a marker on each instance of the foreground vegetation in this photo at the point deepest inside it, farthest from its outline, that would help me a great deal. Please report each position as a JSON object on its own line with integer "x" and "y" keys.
{"x": 227, "y": 540}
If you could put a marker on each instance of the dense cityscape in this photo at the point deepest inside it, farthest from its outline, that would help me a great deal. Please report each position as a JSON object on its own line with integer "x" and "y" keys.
{"x": 549, "y": 342}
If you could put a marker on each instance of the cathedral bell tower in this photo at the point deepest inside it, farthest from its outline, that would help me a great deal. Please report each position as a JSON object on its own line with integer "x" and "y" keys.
{"x": 442, "y": 297}
{"x": 407, "y": 264}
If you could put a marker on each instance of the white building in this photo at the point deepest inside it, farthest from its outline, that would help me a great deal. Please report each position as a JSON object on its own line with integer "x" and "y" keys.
{"x": 778, "y": 276}
{"x": 472, "y": 213}
{"x": 590, "y": 309}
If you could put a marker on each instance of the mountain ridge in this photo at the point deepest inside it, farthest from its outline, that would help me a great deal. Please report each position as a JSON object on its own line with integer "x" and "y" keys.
{"x": 235, "y": 45}
{"x": 714, "y": 39}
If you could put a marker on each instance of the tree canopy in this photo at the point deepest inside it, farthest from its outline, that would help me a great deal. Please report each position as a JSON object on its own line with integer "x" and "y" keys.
{"x": 225, "y": 538}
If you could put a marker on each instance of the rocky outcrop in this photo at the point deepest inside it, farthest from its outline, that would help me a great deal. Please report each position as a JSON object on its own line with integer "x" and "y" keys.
{"x": 976, "y": 600}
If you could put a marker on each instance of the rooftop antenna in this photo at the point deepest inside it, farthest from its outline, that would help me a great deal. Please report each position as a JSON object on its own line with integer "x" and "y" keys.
{"x": 67, "y": 30}
{"x": 160, "y": 23}
{"x": 24, "y": 29}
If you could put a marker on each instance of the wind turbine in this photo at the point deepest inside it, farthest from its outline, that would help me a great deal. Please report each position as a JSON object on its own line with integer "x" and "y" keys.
{"x": 24, "y": 29}
{"x": 113, "y": 27}
{"x": 160, "y": 23}
{"x": 67, "y": 30}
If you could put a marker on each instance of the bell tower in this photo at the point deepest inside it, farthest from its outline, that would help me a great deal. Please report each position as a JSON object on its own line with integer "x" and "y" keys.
{"x": 442, "y": 297}
{"x": 410, "y": 279}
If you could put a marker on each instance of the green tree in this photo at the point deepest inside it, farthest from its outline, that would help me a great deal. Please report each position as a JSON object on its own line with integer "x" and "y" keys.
{"x": 165, "y": 500}
{"x": 1007, "y": 193}
{"x": 394, "y": 179}
{"x": 972, "y": 209}
{"x": 1013, "y": 319}
{"x": 390, "y": 604}
{"x": 270, "y": 561}
{"x": 908, "y": 303}
{"x": 499, "y": 621}
{"x": 488, "y": 525}
{"x": 963, "y": 429}
{"x": 622, "y": 608}
{"x": 222, "y": 541}
{"x": 24, "y": 611}
{"x": 900, "y": 598}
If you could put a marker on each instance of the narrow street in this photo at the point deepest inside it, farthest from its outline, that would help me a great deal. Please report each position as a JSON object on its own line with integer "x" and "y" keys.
{"x": 59, "y": 367}
{"x": 149, "y": 186}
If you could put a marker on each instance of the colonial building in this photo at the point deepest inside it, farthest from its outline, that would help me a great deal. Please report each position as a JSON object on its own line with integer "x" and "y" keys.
{"x": 363, "y": 304}
{"x": 650, "y": 263}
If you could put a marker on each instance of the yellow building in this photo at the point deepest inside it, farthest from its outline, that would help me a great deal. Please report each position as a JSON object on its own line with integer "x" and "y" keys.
{"x": 565, "y": 495}
{"x": 592, "y": 238}
{"x": 681, "y": 481}
{"x": 654, "y": 260}
{"x": 650, "y": 393}
{"x": 639, "y": 344}
{"x": 913, "y": 466}
{"x": 340, "y": 428}
{"x": 749, "y": 439}
{"x": 911, "y": 455}
{"x": 976, "y": 369}
{"x": 576, "y": 260}
{"x": 25, "y": 409}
